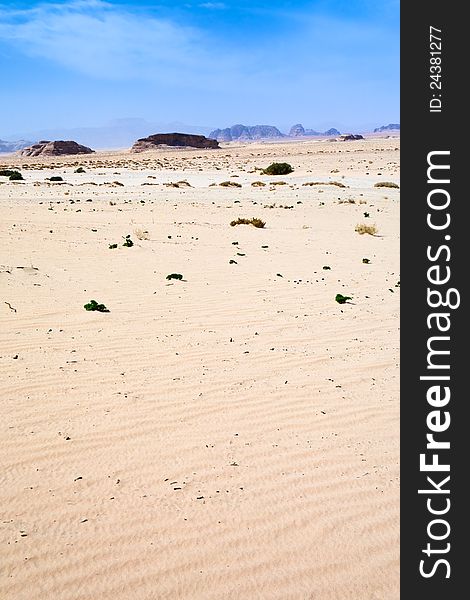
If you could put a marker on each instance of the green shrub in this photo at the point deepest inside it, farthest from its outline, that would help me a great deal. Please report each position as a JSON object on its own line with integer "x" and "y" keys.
{"x": 93, "y": 305}
{"x": 278, "y": 169}
{"x": 342, "y": 299}
{"x": 12, "y": 175}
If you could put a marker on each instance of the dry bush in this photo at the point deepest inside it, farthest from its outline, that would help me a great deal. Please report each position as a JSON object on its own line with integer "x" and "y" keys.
{"x": 362, "y": 228}
{"x": 254, "y": 221}
{"x": 230, "y": 184}
{"x": 141, "y": 234}
{"x": 258, "y": 184}
{"x": 386, "y": 184}
{"x": 178, "y": 184}
{"x": 336, "y": 183}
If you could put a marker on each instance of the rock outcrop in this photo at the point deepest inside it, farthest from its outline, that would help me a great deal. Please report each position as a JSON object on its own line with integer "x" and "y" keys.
{"x": 299, "y": 131}
{"x": 347, "y": 137}
{"x": 246, "y": 133}
{"x": 332, "y": 131}
{"x": 389, "y": 127}
{"x": 13, "y": 146}
{"x": 173, "y": 139}
{"x": 55, "y": 148}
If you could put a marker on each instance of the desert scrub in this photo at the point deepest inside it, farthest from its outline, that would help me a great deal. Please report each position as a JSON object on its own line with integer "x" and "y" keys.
{"x": 12, "y": 175}
{"x": 94, "y": 305}
{"x": 55, "y": 178}
{"x": 362, "y": 228}
{"x": 278, "y": 169}
{"x": 177, "y": 276}
{"x": 80, "y": 170}
{"x": 336, "y": 183}
{"x": 258, "y": 184}
{"x": 128, "y": 242}
{"x": 386, "y": 184}
{"x": 230, "y": 184}
{"x": 141, "y": 234}
{"x": 254, "y": 221}
{"x": 340, "y": 299}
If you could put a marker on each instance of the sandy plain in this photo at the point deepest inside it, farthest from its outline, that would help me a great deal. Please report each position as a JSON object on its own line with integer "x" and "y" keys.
{"x": 231, "y": 435}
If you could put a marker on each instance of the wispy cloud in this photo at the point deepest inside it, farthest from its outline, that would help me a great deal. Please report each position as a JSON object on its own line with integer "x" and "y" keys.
{"x": 213, "y": 5}
{"x": 106, "y": 41}
{"x": 303, "y": 58}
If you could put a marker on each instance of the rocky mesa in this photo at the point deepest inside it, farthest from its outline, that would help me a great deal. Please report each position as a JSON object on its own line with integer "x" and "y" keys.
{"x": 55, "y": 148}
{"x": 246, "y": 133}
{"x": 173, "y": 139}
{"x": 298, "y": 130}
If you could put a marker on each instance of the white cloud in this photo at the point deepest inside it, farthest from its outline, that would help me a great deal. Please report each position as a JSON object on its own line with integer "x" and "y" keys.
{"x": 213, "y": 5}
{"x": 102, "y": 40}
{"x": 116, "y": 43}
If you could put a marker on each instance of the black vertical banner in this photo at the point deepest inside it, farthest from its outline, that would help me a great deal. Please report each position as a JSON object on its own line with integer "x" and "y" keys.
{"x": 435, "y": 257}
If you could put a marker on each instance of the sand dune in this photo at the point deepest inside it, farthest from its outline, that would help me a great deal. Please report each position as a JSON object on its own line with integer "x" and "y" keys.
{"x": 230, "y": 435}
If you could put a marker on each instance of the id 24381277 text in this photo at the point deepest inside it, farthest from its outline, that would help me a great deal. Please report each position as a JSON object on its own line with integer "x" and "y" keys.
{"x": 435, "y": 69}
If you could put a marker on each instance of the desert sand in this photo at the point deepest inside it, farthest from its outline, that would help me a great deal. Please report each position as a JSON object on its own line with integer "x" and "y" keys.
{"x": 231, "y": 435}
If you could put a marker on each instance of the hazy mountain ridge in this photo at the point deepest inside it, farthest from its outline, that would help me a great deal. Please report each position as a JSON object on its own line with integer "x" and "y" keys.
{"x": 119, "y": 133}
{"x": 122, "y": 133}
{"x": 13, "y": 146}
{"x": 246, "y": 132}
{"x": 389, "y": 127}
{"x": 298, "y": 130}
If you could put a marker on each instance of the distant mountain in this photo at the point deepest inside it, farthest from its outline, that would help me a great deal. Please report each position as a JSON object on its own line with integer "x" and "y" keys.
{"x": 389, "y": 127}
{"x": 13, "y": 146}
{"x": 119, "y": 133}
{"x": 332, "y": 131}
{"x": 299, "y": 131}
{"x": 245, "y": 132}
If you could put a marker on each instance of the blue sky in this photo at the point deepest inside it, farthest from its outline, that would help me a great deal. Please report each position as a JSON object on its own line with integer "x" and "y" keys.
{"x": 85, "y": 62}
